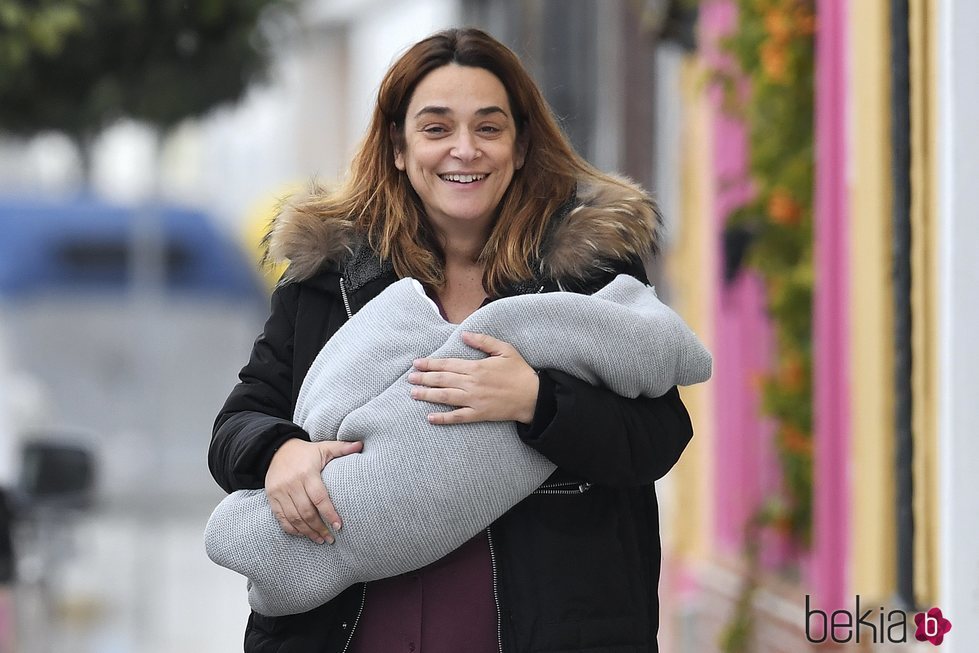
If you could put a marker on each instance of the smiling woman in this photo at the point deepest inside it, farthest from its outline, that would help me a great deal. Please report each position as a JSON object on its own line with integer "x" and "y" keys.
{"x": 460, "y": 147}
{"x": 465, "y": 182}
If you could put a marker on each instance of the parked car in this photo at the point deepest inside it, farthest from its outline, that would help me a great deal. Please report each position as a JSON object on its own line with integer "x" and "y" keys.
{"x": 135, "y": 321}
{"x": 124, "y": 328}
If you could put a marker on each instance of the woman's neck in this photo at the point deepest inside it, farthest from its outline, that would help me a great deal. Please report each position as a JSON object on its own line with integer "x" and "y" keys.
{"x": 463, "y": 291}
{"x": 463, "y": 251}
{"x": 462, "y": 241}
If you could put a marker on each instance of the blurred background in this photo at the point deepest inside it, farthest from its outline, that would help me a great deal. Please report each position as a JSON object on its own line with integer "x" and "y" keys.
{"x": 815, "y": 161}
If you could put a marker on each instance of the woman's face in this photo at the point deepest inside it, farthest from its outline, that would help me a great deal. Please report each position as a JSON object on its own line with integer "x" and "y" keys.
{"x": 460, "y": 146}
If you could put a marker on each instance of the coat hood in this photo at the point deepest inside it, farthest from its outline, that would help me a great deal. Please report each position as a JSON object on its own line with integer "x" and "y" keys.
{"x": 609, "y": 221}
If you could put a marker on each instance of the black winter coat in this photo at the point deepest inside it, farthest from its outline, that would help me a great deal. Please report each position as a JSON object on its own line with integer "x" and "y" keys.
{"x": 576, "y": 564}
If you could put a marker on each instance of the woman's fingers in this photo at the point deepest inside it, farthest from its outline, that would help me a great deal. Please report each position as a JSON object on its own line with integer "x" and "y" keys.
{"x": 453, "y": 365}
{"x": 280, "y": 516}
{"x": 487, "y": 344}
{"x": 316, "y": 509}
{"x": 439, "y": 379}
{"x": 306, "y": 519}
{"x": 322, "y": 506}
{"x": 500, "y": 387}
{"x": 446, "y": 396}
{"x": 330, "y": 449}
{"x": 317, "y": 491}
{"x": 459, "y": 416}
{"x": 299, "y": 500}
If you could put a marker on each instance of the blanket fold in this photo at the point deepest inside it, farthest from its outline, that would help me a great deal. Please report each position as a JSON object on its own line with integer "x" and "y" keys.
{"x": 419, "y": 491}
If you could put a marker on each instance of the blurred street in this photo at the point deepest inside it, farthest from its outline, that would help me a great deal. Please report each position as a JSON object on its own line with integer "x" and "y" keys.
{"x": 137, "y": 580}
{"x": 814, "y": 162}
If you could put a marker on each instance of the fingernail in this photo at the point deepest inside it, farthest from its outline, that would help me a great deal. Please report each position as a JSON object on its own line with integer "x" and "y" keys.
{"x": 319, "y": 540}
{"x": 412, "y": 377}
{"x": 337, "y": 525}
{"x": 414, "y": 393}
{"x": 417, "y": 362}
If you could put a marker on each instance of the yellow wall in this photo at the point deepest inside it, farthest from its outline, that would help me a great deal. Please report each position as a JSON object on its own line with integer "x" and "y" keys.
{"x": 690, "y": 270}
{"x": 872, "y": 572}
{"x": 924, "y": 292}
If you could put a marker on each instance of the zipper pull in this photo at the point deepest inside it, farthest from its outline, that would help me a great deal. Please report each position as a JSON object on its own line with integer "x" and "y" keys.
{"x": 346, "y": 300}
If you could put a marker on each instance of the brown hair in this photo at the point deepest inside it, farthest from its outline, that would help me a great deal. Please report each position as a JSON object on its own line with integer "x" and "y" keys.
{"x": 378, "y": 200}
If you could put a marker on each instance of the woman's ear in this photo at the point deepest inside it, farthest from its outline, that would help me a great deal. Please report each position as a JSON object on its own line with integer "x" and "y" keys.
{"x": 397, "y": 139}
{"x": 520, "y": 150}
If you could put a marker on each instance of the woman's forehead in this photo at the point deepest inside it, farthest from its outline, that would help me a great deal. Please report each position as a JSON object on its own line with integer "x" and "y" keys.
{"x": 454, "y": 89}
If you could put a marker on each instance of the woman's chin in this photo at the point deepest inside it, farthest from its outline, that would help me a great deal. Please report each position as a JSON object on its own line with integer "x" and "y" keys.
{"x": 474, "y": 216}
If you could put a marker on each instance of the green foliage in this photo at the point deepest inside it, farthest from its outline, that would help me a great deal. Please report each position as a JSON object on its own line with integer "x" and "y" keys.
{"x": 774, "y": 49}
{"x": 773, "y": 46}
{"x": 41, "y": 27}
{"x": 78, "y": 65}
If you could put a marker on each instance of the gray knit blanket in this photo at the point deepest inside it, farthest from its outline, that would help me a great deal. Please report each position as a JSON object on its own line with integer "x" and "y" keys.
{"x": 418, "y": 491}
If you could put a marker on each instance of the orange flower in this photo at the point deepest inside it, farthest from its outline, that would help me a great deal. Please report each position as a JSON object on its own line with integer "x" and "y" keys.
{"x": 783, "y": 209}
{"x": 778, "y": 25}
{"x": 776, "y": 286}
{"x": 782, "y": 523}
{"x": 795, "y": 441}
{"x": 791, "y": 373}
{"x": 774, "y": 60}
{"x": 805, "y": 20}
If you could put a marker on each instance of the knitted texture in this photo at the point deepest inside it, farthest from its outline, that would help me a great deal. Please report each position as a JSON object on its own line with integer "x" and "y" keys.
{"x": 418, "y": 491}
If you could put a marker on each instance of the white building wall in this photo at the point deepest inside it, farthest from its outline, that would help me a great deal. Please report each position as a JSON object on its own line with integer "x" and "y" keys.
{"x": 303, "y": 122}
{"x": 308, "y": 123}
{"x": 958, "y": 149}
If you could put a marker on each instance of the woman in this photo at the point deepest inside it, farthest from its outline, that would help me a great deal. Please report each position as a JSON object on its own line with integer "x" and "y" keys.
{"x": 466, "y": 183}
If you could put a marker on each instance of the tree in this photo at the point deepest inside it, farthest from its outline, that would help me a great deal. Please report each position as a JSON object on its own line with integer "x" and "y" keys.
{"x": 78, "y": 65}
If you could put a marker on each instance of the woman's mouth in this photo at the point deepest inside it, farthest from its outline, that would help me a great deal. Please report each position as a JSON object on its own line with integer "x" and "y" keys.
{"x": 462, "y": 179}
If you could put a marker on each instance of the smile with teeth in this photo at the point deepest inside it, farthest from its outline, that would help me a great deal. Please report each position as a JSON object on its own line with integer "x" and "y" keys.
{"x": 462, "y": 179}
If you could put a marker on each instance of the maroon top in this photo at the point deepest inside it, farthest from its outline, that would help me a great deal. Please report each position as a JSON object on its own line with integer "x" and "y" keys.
{"x": 445, "y": 607}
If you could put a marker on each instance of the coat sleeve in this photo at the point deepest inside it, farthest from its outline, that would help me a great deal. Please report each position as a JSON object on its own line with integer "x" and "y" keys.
{"x": 256, "y": 418}
{"x": 603, "y": 437}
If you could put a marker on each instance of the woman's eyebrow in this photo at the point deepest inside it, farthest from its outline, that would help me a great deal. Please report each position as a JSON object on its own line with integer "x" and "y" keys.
{"x": 485, "y": 111}
{"x": 439, "y": 111}
{"x": 444, "y": 111}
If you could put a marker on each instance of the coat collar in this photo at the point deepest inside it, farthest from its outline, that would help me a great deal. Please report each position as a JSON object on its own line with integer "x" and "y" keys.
{"x": 607, "y": 222}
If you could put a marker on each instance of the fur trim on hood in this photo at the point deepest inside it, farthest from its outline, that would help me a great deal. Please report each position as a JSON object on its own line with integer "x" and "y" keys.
{"x": 609, "y": 221}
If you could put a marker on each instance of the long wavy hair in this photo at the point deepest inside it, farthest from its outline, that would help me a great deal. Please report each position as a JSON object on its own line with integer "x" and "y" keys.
{"x": 377, "y": 200}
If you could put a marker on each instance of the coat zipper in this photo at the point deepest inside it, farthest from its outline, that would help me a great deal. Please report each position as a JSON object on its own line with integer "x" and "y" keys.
{"x": 346, "y": 300}
{"x": 492, "y": 552}
{"x": 496, "y": 589}
{"x": 563, "y": 488}
{"x": 360, "y": 611}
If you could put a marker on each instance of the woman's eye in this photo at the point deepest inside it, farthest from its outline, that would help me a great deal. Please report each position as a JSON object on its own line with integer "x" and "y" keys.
{"x": 490, "y": 129}
{"x": 435, "y": 130}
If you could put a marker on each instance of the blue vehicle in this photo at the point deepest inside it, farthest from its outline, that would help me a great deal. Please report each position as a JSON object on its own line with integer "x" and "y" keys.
{"x": 86, "y": 246}
{"x": 121, "y": 331}
{"x": 133, "y": 320}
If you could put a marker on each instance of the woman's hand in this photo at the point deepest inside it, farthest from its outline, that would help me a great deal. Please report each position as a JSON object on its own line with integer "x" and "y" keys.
{"x": 297, "y": 495}
{"x": 499, "y": 388}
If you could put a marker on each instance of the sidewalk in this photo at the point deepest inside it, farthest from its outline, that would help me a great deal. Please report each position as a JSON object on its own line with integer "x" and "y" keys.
{"x": 134, "y": 583}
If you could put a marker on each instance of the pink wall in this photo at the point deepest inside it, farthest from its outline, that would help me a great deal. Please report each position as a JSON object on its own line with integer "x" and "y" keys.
{"x": 745, "y": 464}
{"x": 831, "y": 319}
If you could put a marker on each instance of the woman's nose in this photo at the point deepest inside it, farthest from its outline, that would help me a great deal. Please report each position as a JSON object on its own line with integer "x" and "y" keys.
{"x": 465, "y": 147}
